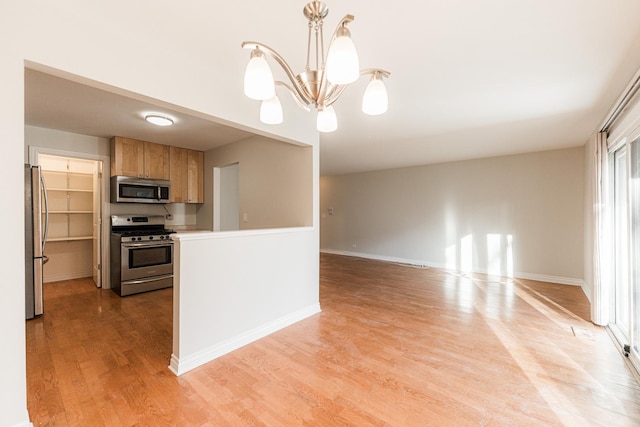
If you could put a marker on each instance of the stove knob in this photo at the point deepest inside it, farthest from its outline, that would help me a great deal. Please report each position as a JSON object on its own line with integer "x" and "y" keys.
{"x": 150, "y": 237}
{"x": 139, "y": 238}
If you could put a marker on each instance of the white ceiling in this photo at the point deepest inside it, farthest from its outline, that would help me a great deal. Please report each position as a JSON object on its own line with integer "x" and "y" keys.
{"x": 469, "y": 79}
{"x": 56, "y": 103}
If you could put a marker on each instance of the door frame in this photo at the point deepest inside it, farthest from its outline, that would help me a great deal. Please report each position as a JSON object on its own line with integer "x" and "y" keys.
{"x": 218, "y": 194}
{"x": 622, "y": 332}
{"x": 622, "y": 337}
{"x": 34, "y": 152}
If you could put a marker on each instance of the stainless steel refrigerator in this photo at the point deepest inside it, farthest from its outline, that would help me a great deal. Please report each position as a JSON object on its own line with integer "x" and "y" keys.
{"x": 36, "y": 227}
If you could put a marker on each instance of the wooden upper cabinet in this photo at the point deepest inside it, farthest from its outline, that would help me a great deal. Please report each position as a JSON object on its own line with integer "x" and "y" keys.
{"x": 156, "y": 161}
{"x": 178, "y": 174}
{"x": 127, "y": 157}
{"x": 187, "y": 175}
{"x": 142, "y": 159}
{"x": 195, "y": 169}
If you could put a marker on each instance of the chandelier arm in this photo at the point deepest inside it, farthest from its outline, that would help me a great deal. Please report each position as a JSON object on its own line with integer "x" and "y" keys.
{"x": 333, "y": 94}
{"x": 323, "y": 80}
{"x": 296, "y": 85}
{"x": 381, "y": 72}
{"x": 294, "y": 95}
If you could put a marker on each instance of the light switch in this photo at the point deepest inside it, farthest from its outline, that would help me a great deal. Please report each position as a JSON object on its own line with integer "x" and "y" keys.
{"x": 245, "y": 217}
{"x": 330, "y": 211}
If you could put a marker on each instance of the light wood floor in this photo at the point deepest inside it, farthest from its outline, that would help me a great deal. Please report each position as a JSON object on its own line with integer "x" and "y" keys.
{"x": 394, "y": 345}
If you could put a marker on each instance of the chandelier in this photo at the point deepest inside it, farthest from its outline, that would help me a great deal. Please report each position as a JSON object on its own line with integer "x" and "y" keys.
{"x": 319, "y": 87}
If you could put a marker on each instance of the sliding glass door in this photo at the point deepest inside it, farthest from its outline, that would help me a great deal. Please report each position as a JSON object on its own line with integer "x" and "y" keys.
{"x": 625, "y": 203}
{"x": 622, "y": 303}
{"x": 634, "y": 248}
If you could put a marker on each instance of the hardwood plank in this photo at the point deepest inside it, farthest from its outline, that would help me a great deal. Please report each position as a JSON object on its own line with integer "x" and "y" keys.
{"x": 394, "y": 345}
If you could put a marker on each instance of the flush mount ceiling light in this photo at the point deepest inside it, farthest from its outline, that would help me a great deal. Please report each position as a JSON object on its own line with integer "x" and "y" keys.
{"x": 158, "y": 120}
{"x": 319, "y": 87}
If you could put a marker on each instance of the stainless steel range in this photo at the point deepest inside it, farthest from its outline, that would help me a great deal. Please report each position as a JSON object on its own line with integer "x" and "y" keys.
{"x": 141, "y": 254}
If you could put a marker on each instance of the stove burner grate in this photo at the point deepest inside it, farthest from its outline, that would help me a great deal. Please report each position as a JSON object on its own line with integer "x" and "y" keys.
{"x": 131, "y": 233}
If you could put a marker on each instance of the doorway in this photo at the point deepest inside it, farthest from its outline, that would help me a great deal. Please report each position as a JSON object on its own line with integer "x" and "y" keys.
{"x": 76, "y": 208}
{"x": 226, "y": 198}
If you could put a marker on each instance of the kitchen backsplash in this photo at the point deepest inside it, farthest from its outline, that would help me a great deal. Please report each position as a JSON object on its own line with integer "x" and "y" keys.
{"x": 182, "y": 215}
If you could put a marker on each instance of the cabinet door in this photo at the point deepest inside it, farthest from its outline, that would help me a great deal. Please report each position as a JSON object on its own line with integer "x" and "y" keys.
{"x": 127, "y": 157}
{"x": 156, "y": 161}
{"x": 195, "y": 192}
{"x": 178, "y": 174}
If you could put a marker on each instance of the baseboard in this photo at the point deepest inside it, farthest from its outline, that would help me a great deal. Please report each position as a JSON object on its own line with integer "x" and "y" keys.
{"x": 24, "y": 423}
{"x": 67, "y": 276}
{"x": 587, "y": 291}
{"x": 550, "y": 279}
{"x": 422, "y": 263}
{"x": 180, "y": 365}
{"x": 409, "y": 261}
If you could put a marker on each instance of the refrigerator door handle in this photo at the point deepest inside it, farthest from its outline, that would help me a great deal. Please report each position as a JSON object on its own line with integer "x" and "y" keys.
{"x": 38, "y": 247}
{"x": 46, "y": 217}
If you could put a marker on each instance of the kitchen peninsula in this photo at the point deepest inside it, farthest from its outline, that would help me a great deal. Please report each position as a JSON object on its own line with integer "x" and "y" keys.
{"x": 234, "y": 287}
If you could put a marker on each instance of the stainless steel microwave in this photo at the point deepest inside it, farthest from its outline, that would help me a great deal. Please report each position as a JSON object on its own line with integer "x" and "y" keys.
{"x": 126, "y": 189}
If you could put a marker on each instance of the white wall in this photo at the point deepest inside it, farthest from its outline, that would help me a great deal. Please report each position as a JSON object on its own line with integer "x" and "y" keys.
{"x": 64, "y": 141}
{"x": 154, "y": 50}
{"x": 275, "y": 182}
{"x": 254, "y": 283}
{"x": 13, "y": 403}
{"x": 516, "y": 215}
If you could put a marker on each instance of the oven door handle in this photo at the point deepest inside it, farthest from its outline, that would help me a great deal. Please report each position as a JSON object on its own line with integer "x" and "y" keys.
{"x": 151, "y": 279}
{"x": 147, "y": 244}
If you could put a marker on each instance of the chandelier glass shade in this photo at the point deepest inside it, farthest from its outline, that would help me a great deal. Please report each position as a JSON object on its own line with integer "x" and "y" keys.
{"x": 343, "y": 66}
{"x": 258, "y": 79}
{"x": 375, "y": 100}
{"x": 317, "y": 87}
{"x": 327, "y": 120}
{"x": 271, "y": 111}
